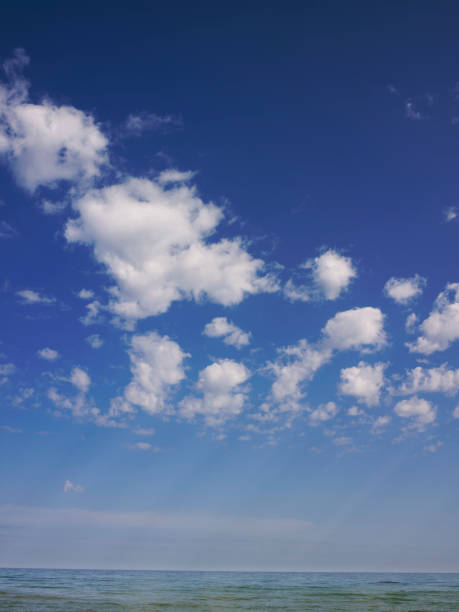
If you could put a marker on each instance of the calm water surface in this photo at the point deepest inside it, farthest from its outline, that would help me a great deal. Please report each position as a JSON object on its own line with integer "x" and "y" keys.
{"x": 71, "y": 590}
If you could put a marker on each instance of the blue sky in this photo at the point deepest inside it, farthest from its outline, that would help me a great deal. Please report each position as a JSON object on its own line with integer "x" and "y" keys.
{"x": 230, "y": 298}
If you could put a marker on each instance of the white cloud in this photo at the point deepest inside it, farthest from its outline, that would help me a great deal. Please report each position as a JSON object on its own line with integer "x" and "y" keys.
{"x": 137, "y": 124}
{"x": 342, "y": 441}
{"x": 430, "y": 380}
{"x": 441, "y": 328}
{"x": 222, "y": 396}
{"x": 7, "y": 230}
{"x": 411, "y": 113}
{"x": 297, "y": 293}
{"x": 143, "y": 446}
{"x": 380, "y": 423}
{"x": 80, "y": 406}
{"x": 403, "y": 290}
{"x": 156, "y": 367}
{"x": 29, "y": 296}
{"x": 456, "y": 412}
{"x": 94, "y": 341}
{"x": 420, "y": 410}
{"x": 48, "y": 353}
{"x": 364, "y": 382}
{"x": 155, "y": 243}
{"x": 432, "y": 448}
{"x": 71, "y": 488}
{"x": 220, "y": 327}
{"x": 6, "y": 369}
{"x": 11, "y": 429}
{"x": 331, "y": 275}
{"x": 92, "y": 315}
{"x": 451, "y": 213}
{"x": 410, "y": 323}
{"x": 53, "y": 208}
{"x": 355, "y": 411}
{"x": 323, "y": 413}
{"x": 359, "y": 328}
{"x": 86, "y": 294}
{"x": 172, "y": 175}
{"x": 80, "y": 379}
{"x": 296, "y": 365}
{"x": 144, "y": 431}
{"x": 45, "y": 143}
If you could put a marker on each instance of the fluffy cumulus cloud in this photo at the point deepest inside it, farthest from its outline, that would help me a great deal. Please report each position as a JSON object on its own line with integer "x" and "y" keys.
{"x": 45, "y": 143}
{"x": 156, "y": 367}
{"x": 48, "y": 353}
{"x": 331, "y": 275}
{"x": 295, "y": 366}
{"x": 80, "y": 379}
{"x": 420, "y": 411}
{"x": 403, "y": 290}
{"x": 430, "y": 380}
{"x": 231, "y": 334}
{"x": 323, "y": 413}
{"x": 221, "y": 394}
{"x": 359, "y": 328}
{"x": 364, "y": 382}
{"x": 441, "y": 328}
{"x": 154, "y": 240}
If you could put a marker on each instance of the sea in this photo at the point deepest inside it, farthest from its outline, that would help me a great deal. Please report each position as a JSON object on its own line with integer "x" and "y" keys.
{"x": 94, "y": 590}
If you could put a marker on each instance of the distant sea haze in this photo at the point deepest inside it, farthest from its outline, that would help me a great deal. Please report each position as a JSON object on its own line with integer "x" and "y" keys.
{"x": 95, "y": 590}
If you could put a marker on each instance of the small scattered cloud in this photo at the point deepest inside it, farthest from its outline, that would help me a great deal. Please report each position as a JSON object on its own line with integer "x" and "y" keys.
{"x": 220, "y": 327}
{"x": 6, "y": 369}
{"x": 323, "y": 413}
{"x": 86, "y": 294}
{"x": 144, "y": 431}
{"x": 441, "y": 328}
{"x": 411, "y": 323}
{"x": 11, "y": 429}
{"x": 29, "y": 296}
{"x": 432, "y": 448}
{"x": 342, "y": 441}
{"x": 72, "y": 488}
{"x": 144, "y": 446}
{"x": 94, "y": 341}
{"x": 48, "y": 353}
{"x": 403, "y": 290}
{"x": 450, "y": 214}
{"x": 7, "y": 230}
{"x": 331, "y": 275}
{"x": 411, "y": 112}
{"x": 53, "y": 208}
{"x": 380, "y": 423}
{"x": 80, "y": 379}
{"x": 420, "y": 411}
{"x": 139, "y": 123}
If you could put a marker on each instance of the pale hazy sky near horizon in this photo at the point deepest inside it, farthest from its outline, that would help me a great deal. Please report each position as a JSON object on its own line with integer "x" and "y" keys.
{"x": 230, "y": 292}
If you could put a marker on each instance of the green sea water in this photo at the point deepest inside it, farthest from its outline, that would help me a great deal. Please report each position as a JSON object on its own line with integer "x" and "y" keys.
{"x": 88, "y": 590}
